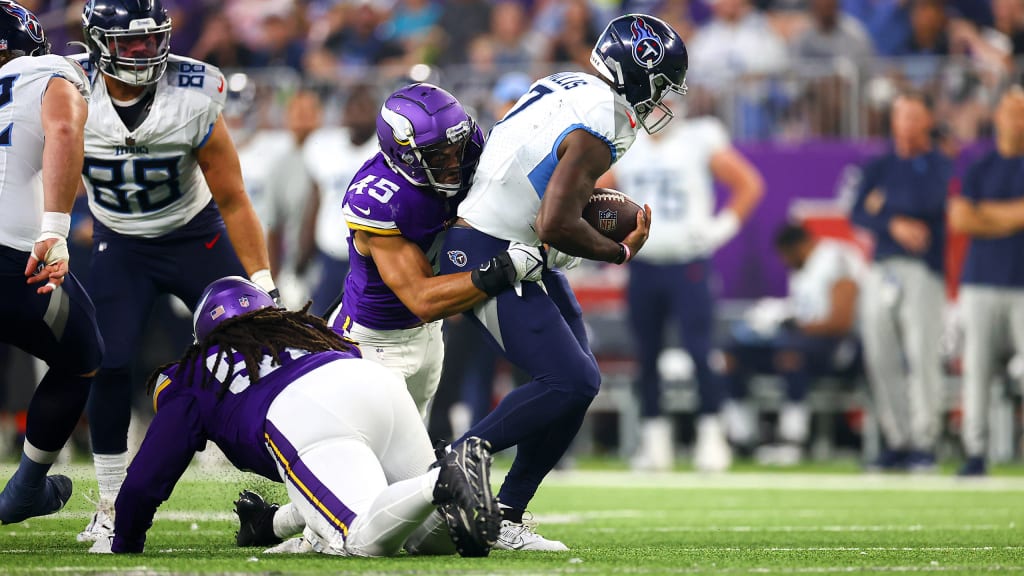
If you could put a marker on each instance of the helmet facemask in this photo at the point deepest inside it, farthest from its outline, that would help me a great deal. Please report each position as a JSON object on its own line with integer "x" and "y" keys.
{"x": 137, "y": 56}
{"x": 661, "y": 85}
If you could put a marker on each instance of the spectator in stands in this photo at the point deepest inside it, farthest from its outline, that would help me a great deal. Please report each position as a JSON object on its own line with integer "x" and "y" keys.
{"x": 901, "y": 199}
{"x": 513, "y": 48}
{"x": 358, "y": 43}
{"x": 576, "y": 36}
{"x": 928, "y": 29}
{"x": 999, "y": 44}
{"x": 410, "y": 24}
{"x": 833, "y": 35}
{"x": 282, "y": 45}
{"x": 887, "y": 21}
{"x": 814, "y": 337}
{"x": 674, "y": 171}
{"x": 991, "y": 212}
{"x": 219, "y": 46}
{"x": 461, "y": 22}
{"x": 736, "y": 46}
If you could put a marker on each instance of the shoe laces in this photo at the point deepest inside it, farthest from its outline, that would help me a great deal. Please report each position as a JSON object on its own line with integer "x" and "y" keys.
{"x": 527, "y": 526}
{"x": 97, "y": 501}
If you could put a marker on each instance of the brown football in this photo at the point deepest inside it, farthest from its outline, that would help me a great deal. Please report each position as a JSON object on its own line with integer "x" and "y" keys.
{"x": 612, "y": 213}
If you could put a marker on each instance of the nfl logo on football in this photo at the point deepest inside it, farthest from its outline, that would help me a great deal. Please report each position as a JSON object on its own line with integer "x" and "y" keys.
{"x": 607, "y": 219}
{"x": 243, "y": 302}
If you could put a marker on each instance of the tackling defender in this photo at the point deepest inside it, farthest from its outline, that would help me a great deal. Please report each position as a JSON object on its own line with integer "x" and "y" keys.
{"x": 165, "y": 188}
{"x": 43, "y": 115}
{"x": 536, "y": 174}
{"x": 397, "y": 207}
{"x": 285, "y": 397}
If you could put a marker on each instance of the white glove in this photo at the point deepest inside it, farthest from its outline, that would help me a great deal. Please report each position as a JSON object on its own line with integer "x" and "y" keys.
{"x": 528, "y": 262}
{"x": 102, "y": 546}
{"x": 559, "y": 259}
{"x": 713, "y": 235}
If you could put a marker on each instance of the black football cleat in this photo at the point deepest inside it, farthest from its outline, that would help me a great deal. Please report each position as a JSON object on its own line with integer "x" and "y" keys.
{"x": 464, "y": 498}
{"x": 256, "y": 521}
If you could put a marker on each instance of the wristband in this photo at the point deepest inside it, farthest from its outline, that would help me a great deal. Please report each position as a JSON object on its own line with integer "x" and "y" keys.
{"x": 263, "y": 279}
{"x": 55, "y": 224}
{"x": 624, "y": 254}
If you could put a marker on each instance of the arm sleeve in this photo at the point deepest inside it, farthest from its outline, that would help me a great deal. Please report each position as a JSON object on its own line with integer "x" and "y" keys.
{"x": 213, "y": 86}
{"x": 172, "y": 440}
{"x": 877, "y": 223}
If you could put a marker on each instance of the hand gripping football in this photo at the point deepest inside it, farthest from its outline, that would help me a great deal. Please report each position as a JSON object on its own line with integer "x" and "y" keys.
{"x": 612, "y": 213}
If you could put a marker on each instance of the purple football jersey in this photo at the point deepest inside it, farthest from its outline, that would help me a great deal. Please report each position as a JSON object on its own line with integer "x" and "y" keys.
{"x": 380, "y": 201}
{"x": 188, "y": 415}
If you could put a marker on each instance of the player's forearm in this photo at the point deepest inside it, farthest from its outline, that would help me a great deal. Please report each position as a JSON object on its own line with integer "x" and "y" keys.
{"x": 438, "y": 297}
{"x": 246, "y": 235}
{"x": 1005, "y": 215}
{"x": 64, "y": 114}
{"x": 578, "y": 238}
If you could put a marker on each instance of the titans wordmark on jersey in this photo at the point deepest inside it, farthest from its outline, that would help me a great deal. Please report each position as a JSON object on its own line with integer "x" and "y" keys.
{"x": 146, "y": 182}
{"x": 521, "y": 151}
{"x": 23, "y": 81}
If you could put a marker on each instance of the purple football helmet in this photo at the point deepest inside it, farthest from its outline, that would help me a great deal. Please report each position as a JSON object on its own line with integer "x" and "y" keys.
{"x": 226, "y": 298}
{"x": 423, "y": 132}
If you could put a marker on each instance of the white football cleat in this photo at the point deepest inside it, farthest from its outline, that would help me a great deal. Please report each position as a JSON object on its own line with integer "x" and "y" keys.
{"x": 655, "y": 453}
{"x": 100, "y": 527}
{"x": 521, "y": 536}
{"x": 711, "y": 452}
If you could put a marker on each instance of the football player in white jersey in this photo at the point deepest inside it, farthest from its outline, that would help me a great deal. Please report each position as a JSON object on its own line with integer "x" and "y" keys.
{"x": 815, "y": 337}
{"x": 166, "y": 192}
{"x": 42, "y": 121}
{"x": 673, "y": 171}
{"x": 536, "y": 174}
{"x": 332, "y": 157}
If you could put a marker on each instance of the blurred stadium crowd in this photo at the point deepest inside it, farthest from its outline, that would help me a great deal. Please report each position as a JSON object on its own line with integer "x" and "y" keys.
{"x": 783, "y": 72}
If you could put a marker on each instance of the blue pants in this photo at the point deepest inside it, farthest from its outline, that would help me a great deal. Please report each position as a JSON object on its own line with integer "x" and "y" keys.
{"x": 658, "y": 294}
{"x": 542, "y": 333}
{"x": 127, "y": 275}
{"x": 60, "y": 329}
{"x": 810, "y": 357}
{"x": 330, "y": 284}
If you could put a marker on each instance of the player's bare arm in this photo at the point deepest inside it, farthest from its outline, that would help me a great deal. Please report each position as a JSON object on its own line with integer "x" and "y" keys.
{"x": 583, "y": 158}
{"x": 64, "y": 112}
{"x": 406, "y": 271}
{"x": 841, "y": 316}
{"x": 746, "y": 187}
{"x": 219, "y": 162}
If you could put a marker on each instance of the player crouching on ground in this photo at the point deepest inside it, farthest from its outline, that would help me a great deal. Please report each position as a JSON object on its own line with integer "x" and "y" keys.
{"x": 284, "y": 396}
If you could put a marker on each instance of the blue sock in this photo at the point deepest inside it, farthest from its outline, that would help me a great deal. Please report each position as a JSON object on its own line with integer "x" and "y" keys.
{"x": 29, "y": 472}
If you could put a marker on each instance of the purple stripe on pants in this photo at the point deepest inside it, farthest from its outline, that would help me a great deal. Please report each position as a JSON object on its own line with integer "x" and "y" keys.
{"x": 321, "y": 497}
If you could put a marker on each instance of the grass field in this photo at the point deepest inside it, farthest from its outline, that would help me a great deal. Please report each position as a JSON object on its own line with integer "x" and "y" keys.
{"x": 751, "y": 522}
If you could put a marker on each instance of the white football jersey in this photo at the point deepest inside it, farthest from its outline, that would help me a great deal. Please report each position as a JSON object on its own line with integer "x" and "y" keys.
{"x": 259, "y": 156}
{"x": 332, "y": 160}
{"x": 147, "y": 182}
{"x": 671, "y": 172}
{"x": 810, "y": 287}
{"x": 23, "y": 81}
{"x": 521, "y": 151}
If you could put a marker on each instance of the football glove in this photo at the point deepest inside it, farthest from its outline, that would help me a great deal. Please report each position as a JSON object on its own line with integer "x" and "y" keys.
{"x": 558, "y": 259}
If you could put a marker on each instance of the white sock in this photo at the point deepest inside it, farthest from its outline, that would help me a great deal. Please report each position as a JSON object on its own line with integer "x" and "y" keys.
{"x": 288, "y": 521}
{"x": 39, "y": 456}
{"x": 393, "y": 516}
{"x": 110, "y": 473}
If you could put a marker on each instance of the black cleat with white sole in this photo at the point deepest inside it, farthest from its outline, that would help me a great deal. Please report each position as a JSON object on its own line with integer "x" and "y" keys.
{"x": 463, "y": 496}
{"x": 256, "y": 521}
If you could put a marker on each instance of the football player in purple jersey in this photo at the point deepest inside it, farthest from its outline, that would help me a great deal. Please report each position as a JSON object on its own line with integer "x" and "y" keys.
{"x": 286, "y": 397}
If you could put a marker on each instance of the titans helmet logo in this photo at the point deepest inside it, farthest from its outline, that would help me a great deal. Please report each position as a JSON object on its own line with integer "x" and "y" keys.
{"x": 648, "y": 49}
{"x": 32, "y": 26}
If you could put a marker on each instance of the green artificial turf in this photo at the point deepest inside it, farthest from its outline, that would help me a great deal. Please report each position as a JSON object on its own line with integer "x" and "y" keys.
{"x": 615, "y": 522}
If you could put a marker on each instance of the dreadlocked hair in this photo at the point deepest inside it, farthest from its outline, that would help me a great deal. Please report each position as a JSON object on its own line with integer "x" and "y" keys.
{"x": 254, "y": 334}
